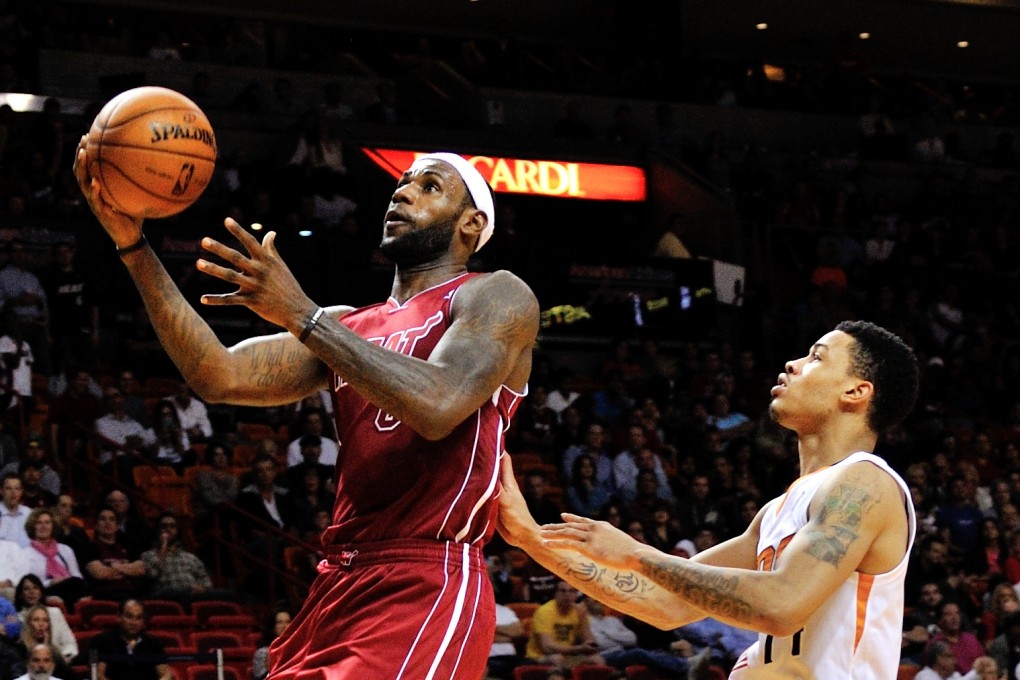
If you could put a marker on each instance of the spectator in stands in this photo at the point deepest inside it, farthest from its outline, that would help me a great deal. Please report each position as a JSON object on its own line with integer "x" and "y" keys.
{"x": 16, "y": 361}
{"x": 543, "y": 508}
{"x": 124, "y": 440}
{"x": 134, "y": 532}
{"x": 963, "y": 644}
{"x": 173, "y": 447}
{"x": 54, "y": 563}
{"x": 215, "y": 486}
{"x": 42, "y": 664}
{"x": 12, "y": 568}
{"x": 69, "y": 528}
{"x": 960, "y": 518}
{"x": 612, "y": 402}
{"x": 113, "y": 571}
{"x": 311, "y": 422}
{"x": 176, "y": 573}
{"x": 28, "y": 595}
{"x": 33, "y": 495}
{"x": 264, "y": 503}
{"x": 37, "y": 630}
{"x": 308, "y": 496}
{"x": 193, "y": 414}
{"x": 74, "y": 307}
{"x": 560, "y": 634}
{"x": 503, "y": 656}
{"x": 134, "y": 403}
{"x": 1005, "y": 648}
{"x": 35, "y": 450}
{"x": 384, "y": 109}
{"x": 127, "y": 652}
{"x": 13, "y": 514}
{"x": 595, "y": 445}
{"x": 276, "y": 623}
{"x": 585, "y": 496}
{"x": 311, "y": 453}
{"x": 618, "y": 646}
{"x": 23, "y": 293}
{"x": 626, "y": 465}
{"x": 9, "y": 621}
{"x": 699, "y": 507}
{"x": 534, "y": 426}
{"x": 72, "y": 414}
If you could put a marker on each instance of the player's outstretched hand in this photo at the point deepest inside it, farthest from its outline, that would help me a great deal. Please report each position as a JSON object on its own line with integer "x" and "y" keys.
{"x": 514, "y": 523}
{"x": 265, "y": 284}
{"x": 124, "y": 229}
{"x": 600, "y": 541}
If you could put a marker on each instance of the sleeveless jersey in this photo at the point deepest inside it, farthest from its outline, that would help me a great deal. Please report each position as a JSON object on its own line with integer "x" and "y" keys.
{"x": 393, "y": 483}
{"x": 855, "y": 634}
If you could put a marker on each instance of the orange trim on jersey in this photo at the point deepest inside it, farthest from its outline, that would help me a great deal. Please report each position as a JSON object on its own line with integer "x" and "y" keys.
{"x": 779, "y": 505}
{"x": 864, "y": 583}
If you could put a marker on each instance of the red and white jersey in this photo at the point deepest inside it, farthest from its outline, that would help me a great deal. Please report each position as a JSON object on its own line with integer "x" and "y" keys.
{"x": 393, "y": 483}
{"x": 855, "y": 634}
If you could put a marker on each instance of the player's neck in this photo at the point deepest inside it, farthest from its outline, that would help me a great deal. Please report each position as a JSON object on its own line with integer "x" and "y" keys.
{"x": 827, "y": 446}
{"x": 410, "y": 281}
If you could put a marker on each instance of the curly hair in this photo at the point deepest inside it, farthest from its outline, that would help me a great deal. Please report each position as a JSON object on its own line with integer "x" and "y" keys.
{"x": 33, "y": 519}
{"x": 884, "y": 360}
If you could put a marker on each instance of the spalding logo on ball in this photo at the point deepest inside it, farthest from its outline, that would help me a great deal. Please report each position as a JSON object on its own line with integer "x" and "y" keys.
{"x": 153, "y": 152}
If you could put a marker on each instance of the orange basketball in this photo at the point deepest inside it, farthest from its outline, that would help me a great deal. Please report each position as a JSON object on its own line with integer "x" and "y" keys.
{"x": 153, "y": 151}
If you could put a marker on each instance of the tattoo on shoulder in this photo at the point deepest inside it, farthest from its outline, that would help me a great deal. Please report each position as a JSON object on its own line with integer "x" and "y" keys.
{"x": 839, "y": 522}
{"x": 715, "y": 593}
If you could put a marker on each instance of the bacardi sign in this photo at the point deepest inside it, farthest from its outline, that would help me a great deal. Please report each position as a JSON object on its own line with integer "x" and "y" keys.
{"x": 563, "y": 179}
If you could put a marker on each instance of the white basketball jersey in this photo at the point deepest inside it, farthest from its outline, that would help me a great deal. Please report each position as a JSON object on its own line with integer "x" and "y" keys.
{"x": 855, "y": 634}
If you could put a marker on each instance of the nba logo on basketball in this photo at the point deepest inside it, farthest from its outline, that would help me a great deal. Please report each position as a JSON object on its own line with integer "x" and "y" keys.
{"x": 184, "y": 179}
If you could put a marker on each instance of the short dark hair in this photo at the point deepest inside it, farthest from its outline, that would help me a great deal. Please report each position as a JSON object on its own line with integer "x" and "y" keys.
{"x": 884, "y": 360}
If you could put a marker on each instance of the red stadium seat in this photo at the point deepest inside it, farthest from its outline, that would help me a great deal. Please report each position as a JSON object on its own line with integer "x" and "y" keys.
{"x": 205, "y": 640}
{"x": 231, "y": 622}
{"x": 590, "y": 671}
{"x": 208, "y": 672}
{"x": 206, "y": 608}
{"x": 87, "y": 609}
{"x": 533, "y": 672}
{"x": 181, "y": 622}
{"x": 162, "y": 608}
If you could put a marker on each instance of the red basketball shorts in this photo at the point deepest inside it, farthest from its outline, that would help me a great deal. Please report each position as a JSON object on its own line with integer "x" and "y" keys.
{"x": 395, "y": 610}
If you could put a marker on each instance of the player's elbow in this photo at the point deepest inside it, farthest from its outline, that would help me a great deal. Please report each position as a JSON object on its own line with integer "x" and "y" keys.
{"x": 781, "y": 624}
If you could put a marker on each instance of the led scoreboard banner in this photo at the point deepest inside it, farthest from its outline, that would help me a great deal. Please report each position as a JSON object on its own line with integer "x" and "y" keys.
{"x": 558, "y": 179}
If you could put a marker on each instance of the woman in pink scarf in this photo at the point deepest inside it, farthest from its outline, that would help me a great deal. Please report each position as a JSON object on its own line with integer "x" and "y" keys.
{"x": 54, "y": 563}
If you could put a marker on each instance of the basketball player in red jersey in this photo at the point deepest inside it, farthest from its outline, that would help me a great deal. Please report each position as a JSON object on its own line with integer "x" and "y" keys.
{"x": 424, "y": 386}
{"x": 820, "y": 570}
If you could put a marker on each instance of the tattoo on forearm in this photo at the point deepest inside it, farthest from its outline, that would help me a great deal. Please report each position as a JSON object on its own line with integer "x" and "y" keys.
{"x": 617, "y": 586}
{"x": 840, "y": 518}
{"x": 712, "y": 593}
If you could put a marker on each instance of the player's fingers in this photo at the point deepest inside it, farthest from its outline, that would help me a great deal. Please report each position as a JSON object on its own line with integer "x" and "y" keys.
{"x": 249, "y": 242}
{"x": 221, "y": 299}
{"x": 269, "y": 244}
{"x": 571, "y": 517}
{"x": 232, "y": 256}
{"x": 219, "y": 272}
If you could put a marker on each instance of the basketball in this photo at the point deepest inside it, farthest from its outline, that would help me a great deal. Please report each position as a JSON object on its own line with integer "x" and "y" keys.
{"x": 153, "y": 152}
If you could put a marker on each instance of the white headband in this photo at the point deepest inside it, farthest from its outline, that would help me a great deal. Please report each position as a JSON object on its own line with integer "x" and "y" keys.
{"x": 476, "y": 186}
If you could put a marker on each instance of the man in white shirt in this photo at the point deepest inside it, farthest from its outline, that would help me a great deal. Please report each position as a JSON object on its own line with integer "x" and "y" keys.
{"x": 120, "y": 428}
{"x": 12, "y": 568}
{"x": 40, "y": 664}
{"x": 193, "y": 414}
{"x": 312, "y": 422}
{"x": 12, "y": 513}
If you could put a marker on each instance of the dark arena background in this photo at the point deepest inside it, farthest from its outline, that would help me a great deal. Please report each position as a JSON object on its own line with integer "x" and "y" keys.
{"x": 818, "y": 162}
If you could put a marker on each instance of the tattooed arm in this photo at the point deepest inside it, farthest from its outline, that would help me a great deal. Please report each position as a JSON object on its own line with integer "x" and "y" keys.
{"x": 857, "y": 522}
{"x": 623, "y": 588}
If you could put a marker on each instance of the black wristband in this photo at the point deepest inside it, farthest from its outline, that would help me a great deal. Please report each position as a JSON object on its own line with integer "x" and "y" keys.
{"x": 137, "y": 245}
{"x": 312, "y": 321}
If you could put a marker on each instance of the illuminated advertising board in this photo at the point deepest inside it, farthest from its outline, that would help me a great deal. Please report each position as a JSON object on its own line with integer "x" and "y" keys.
{"x": 537, "y": 177}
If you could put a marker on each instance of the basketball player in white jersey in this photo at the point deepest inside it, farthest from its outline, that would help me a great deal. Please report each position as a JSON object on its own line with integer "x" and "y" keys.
{"x": 819, "y": 572}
